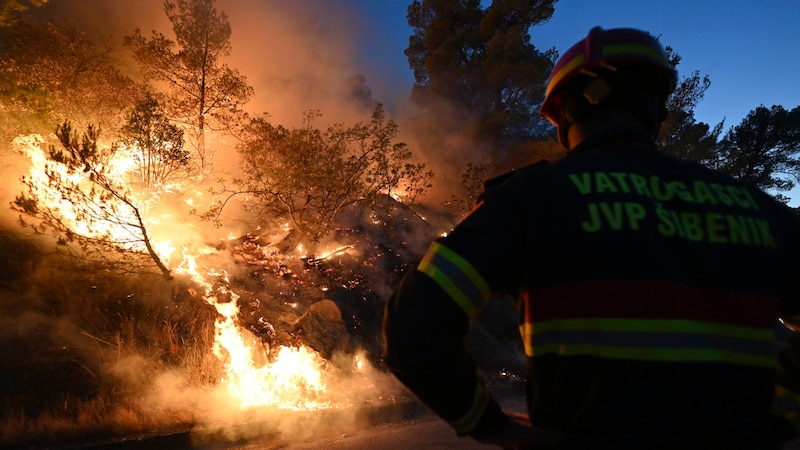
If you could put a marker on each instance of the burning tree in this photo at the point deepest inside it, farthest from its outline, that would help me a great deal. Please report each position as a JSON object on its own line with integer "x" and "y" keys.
{"x": 310, "y": 175}
{"x": 78, "y": 194}
{"x": 155, "y": 145}
{"x": 203, "y": 92}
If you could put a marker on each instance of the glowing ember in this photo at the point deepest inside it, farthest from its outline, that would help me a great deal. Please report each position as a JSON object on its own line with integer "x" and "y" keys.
{"x": 338, "y": 251}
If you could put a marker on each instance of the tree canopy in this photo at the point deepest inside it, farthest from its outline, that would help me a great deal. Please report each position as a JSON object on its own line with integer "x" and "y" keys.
{"x": 155, "y": 145}
{"x": 50, "y": 73}
{"x": 482, "y": 62}
{"x": 9, "y": 9}
{"x": 309, "y": 174}
{"x": 763, "y": 149}
{"x": 681, "y": 135}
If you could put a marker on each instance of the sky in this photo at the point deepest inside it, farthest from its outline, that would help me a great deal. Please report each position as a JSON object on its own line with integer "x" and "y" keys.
{"x": 747, "y": 48}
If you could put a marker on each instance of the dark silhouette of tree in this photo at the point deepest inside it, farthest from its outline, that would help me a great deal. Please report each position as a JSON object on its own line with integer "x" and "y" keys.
{"x": 681, "y": 135}
{"x": 310, "y": 175}
{"x": 763, "y": 149}
{"x": 82, "y": 202}
{"x": 481, "y": 62}
{"x": 203, "y": 91}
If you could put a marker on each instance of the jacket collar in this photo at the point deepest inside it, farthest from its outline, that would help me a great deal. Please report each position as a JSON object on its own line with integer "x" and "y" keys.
{"x": 617, "y": 135}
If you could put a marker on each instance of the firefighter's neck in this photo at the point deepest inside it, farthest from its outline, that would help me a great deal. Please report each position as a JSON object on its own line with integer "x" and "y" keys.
{"x": 599, "y": 121}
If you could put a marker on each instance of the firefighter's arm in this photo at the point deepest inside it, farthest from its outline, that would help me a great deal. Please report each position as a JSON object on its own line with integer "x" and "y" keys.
{"x": 786, "y": 406}
{"x": 424, "y": 331}
{"x": 786, "y": 403}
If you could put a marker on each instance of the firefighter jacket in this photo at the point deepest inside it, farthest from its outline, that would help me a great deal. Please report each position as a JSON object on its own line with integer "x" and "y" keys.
{"x": 650, "y": 289}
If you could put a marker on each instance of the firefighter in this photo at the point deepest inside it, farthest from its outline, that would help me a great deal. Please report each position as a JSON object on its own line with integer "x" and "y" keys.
{"x": 649, "y": 287}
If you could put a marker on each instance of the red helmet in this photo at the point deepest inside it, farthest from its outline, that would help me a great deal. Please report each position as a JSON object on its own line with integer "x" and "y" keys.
{"x": 606, "y": 49}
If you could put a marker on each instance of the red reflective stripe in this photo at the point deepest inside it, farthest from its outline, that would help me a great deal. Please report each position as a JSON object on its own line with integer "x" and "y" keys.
{"x": 650, "y": 299}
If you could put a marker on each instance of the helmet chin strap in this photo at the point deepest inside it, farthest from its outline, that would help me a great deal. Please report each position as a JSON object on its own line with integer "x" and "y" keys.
{"x": 563, "y": 132}
{"x": 565, "y": 121}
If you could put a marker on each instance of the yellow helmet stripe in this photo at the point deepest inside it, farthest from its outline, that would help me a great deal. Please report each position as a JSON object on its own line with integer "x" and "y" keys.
{"x": 555, "y": 79}
{"x": 635, "y": 49}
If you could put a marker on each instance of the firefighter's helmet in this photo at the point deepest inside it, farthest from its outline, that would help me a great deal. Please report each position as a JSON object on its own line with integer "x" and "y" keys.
{"x": 605, "y": 51}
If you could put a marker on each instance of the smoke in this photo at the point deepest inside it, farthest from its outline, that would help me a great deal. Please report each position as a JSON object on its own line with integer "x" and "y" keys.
{"x": 302, "y": 56}
{"x": 307, "y": 55}
{"x": 297, "y": 56}
{"x": 358, "y": 399}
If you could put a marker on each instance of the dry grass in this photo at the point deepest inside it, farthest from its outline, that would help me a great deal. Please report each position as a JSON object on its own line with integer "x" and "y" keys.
{"x": 83, "y": 349}
{"x": 94, "y": 419}
{"x": 79, "y": 345}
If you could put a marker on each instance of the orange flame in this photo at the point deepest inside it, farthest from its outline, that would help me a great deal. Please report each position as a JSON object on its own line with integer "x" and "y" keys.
{"x": 294, "y": 378}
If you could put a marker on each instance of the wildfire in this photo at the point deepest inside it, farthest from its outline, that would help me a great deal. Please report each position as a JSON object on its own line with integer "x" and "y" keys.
{"x": 292, "y": 378}
{"x": 94, "y": 222}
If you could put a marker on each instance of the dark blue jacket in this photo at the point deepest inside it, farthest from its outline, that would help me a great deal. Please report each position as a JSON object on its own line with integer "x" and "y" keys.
{"x": 650, "y": 290}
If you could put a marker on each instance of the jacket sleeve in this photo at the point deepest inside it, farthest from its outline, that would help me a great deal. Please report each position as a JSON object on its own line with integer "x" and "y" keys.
{"x": 424, "y": 332}
{"x": 429, "y": 315}
{"x": 786, "y": 406}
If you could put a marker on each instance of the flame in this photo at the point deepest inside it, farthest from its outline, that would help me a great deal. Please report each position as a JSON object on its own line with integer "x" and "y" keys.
{"x": 293, "y": 378}
{"x": 125, "y": 163}
{"x": 119, "y": 231}
{"x": 337, "y": 251}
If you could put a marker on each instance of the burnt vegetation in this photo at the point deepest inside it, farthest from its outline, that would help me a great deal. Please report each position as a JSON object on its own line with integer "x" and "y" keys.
{"x": 93, "y": 309}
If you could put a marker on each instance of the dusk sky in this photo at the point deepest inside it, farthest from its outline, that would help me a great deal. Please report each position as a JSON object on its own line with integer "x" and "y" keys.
{"x": 747, "y": 48}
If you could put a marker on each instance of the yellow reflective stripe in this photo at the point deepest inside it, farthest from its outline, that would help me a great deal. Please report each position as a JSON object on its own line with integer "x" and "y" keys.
{"x": 568, "y": 67}
{"x": 655, "y": 354}
{"x": 634, "y": 49}
{"x": 650, "y": 339}
{"x": 655, "y": 325}
{"x": 468, "y": 421}
{"x": 787, "y": 404}
{"x": 457, "y": 277}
